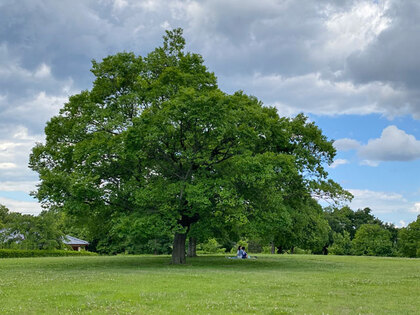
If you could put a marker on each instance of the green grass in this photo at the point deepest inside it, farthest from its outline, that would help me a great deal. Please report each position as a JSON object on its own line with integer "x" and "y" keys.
{"x": 277, "y": 284}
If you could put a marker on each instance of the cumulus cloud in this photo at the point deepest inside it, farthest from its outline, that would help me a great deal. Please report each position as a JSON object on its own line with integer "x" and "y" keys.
{"x": 393, "y": 145}
{"x": 391, "y": 57}
{"x": 416, "y": 208}
{"x": 378, "y": 201}
{"x": 370, "y": 163}
{"x": 20, "y": 186}
{"x": 25, "y": 207}
{"x": 346, "y": 144}
{"x": 385, "y": 205}
{"x": 7, "y": 165}
{"x": 357, "y": 26}
{"x": 338, "y": 162}
{"x": 15, "y": 147}
{"x": 312, "y": 93}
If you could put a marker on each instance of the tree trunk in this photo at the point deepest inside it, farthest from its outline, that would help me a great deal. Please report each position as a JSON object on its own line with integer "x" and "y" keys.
{"x": 192, "y": 247}
{"x": 178, "y": 251}
{"x": 273, "y": 248}
{"x": 292, "y": 250}
{"x": 325, "y": 250}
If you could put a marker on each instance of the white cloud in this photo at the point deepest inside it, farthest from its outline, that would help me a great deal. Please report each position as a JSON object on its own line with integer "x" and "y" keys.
{"x": 416, "y": 208}
{"x": 21, "y": 133}
{"x": 393, "y": 145}
{"x": 14, "y": 154}
{"x": 26, "y": 207}
{"x": 387, "y": 206}
{"x": 6, "y": 165}
{"x": 24, "y": 186}
{"x": 42, "y": 72}
{"x": 316, "y": 93}
{"x": 120, "y": 4}
{"x": 370, "y": 163}
{"x": 355, "y": 28}
{"x": 379, "y": 202}
{"x": 338, "y": 162}
{"x": 165, "y": 25}
{"x": 346, "y": 144}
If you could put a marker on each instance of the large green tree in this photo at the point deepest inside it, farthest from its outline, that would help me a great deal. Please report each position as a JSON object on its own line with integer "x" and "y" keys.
{"x": 409, "y": 239}
{"x": 372, "y": 240}
{"x": 156, "y": 138}
{"x": 26, "y": 231}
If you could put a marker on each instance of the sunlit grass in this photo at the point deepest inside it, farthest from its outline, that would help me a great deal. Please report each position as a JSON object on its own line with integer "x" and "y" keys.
{"x": 274, "y": 284}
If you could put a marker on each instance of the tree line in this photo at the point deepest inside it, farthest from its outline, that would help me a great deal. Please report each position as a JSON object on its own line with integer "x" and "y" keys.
{"x": 339, "y": 231}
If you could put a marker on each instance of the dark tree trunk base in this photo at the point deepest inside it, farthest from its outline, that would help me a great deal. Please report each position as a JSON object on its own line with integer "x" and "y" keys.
{"x": 178, "y": 252}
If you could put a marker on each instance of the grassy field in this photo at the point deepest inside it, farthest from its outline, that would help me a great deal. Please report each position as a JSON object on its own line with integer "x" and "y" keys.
{"x": 272, "y": 284}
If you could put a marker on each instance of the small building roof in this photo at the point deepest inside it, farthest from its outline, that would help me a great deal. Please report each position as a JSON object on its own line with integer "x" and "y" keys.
{"x": 7, "y": 235}
{"x": 70, "y": 240}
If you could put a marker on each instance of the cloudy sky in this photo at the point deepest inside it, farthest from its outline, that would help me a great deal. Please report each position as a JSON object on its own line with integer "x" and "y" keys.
{"x": 351, "y": 66}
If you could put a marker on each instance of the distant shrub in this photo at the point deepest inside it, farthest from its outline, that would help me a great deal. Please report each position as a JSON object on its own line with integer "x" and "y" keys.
{"x": 18, "y": 253}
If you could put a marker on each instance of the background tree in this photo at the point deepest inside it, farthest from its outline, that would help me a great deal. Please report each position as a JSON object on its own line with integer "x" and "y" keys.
{"x": 341, "y": 244}
{"x": 409, "y": 239}
{"x": 24, "y": 231}
{"x": 372, "y": 240}
{"x": 155, "y": 137}
{"x": 345, "y": 219}
{"x": 3, "y": 215}
{"x": 307, "y": 228}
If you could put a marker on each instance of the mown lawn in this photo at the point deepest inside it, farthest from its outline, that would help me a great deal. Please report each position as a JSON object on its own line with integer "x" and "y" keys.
{"x": 272, "y": 284}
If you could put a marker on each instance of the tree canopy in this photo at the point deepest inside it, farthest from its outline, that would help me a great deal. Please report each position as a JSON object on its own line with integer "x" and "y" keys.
{"x": 409, "y": 239}
{"x": 155, "y": 141}
{"x": 24, "y": 231}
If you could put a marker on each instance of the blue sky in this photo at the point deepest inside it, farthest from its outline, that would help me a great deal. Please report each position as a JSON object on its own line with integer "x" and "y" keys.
{"x": 350, "y": 65}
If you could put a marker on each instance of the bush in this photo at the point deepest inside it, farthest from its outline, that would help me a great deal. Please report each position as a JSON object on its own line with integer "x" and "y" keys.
{"x": 18, "y": 253}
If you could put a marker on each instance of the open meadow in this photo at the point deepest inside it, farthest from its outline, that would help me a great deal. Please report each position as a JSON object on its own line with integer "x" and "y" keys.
{"x": 272, "y": 284}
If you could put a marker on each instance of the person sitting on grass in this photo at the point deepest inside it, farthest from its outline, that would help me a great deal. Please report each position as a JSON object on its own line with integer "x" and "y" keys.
{"x": 240, "y": 252}
{"x": 244, "y": 253}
